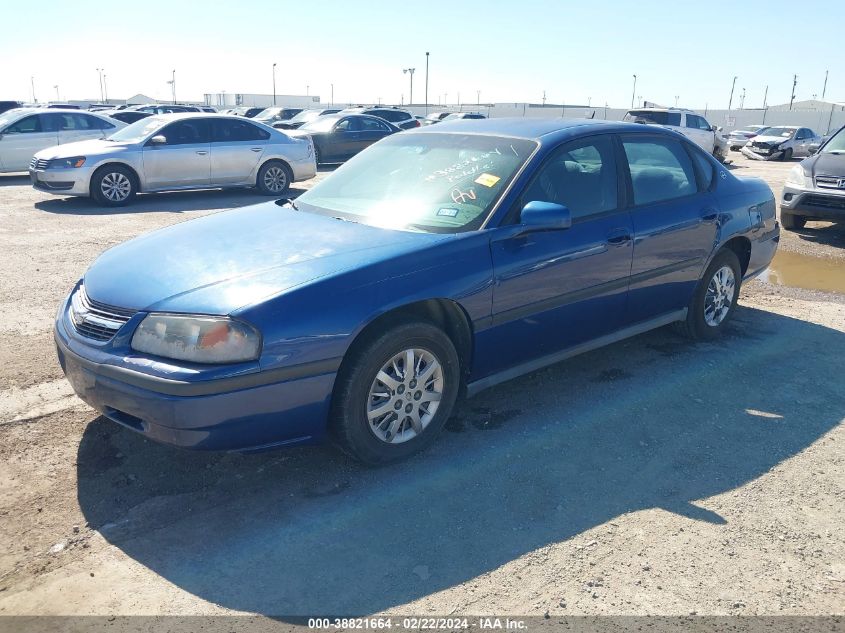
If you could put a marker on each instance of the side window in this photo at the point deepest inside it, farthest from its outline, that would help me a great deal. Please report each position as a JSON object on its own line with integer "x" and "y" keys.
{"x": 373, "y": 125}
{"x": 692, "y": 121}
{"x": 349, "y": 124}
{"x": 660, "y": 169}
{"x": 26, "y": 125}
{"x": 703, "y": 167}
{"x": 580, "y": 175}
{"x": 186, "y": 132}
{"x": 224, "y": 130}
{"x": 673, "y": 118}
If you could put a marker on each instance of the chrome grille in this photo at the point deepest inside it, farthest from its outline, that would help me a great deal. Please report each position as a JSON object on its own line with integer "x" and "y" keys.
{"x": 96, "y": 320}
{"x": 830, "y": 182}
{"x": 38, "y": 163}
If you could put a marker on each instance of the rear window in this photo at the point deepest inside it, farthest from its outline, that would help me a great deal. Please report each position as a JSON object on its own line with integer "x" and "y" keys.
{"x": 657, "y": 118}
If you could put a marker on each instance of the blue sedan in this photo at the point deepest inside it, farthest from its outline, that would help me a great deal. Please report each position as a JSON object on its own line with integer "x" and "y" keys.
{"x": 435, "y": 264}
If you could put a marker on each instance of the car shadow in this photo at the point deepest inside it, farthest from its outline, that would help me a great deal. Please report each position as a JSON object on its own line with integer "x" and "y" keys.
{"x": 169, "y": 202}
{"x": 652, "y": 422}
{"x": 829, "y": 234}
{"x": 14, "y": 180}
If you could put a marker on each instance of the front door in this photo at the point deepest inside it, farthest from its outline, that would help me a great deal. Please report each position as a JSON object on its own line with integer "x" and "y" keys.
{"x": 183, "y": 161}
{"x": 345, "y": 138}
{"x": 675, "y": 220}
{"x": 555, "y": 289}
{"x": 22, "y": 139}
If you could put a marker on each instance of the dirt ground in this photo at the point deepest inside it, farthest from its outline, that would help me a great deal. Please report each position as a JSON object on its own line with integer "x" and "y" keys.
{"x": 655, "y": 476}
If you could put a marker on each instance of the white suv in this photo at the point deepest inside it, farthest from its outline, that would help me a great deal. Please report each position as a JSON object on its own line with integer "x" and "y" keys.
{"x": 694, "y": 126}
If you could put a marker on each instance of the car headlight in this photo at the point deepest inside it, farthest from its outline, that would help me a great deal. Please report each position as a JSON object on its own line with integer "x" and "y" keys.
{"x": 198, "y": 339}
{"x": 798, "y": 177}
{"x": 66, "y": 163}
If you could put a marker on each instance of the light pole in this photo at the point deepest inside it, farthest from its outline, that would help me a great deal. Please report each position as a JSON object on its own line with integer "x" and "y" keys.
{"x": 731, "y": 100}
{"x": 742, "y": 100}
{"x": 172, "y": 83}
{"x": 676, "y": 100}
{"x": 307, "y": 90}
{"x": 426, "y": 82}
{"x": 332, "y": 101}
{"x": 274, "y": 83}
{"x": 58, "y": 98}
{"x": 100, "y": 74}
{"x": 765, "y": 96}
{"x": 478, "y": 98}
{"x": 824, "y": 88}
{"x": 792, "y": 98}
{"x": 410, "y": 71}
{"x": 634, "y": 91}
{"x": 105, "y": 88}
{"x": 544, "y": 98}
{"x": 32, "y": 81}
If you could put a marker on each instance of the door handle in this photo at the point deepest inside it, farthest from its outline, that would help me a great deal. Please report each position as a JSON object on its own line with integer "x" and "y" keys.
{"x": 202, "y": 152}
{"x": 619, "y": 237}
{"x": 255, "y": 149}
{"x": 709, "y": 215}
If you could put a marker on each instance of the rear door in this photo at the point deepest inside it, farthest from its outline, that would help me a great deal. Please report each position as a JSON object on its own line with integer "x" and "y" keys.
{"x": 184, "y": 160}
{"x": 555, "y": 289}
{"x": 237, "y": 146}
{"x": 675, "y": 222}
{"x": 345, "y": 137}
{"x": 373, "y": 130}
{"x": 75, "y": 127}
{"x": 22, "y": 139}
{"x": 699, "y": 132}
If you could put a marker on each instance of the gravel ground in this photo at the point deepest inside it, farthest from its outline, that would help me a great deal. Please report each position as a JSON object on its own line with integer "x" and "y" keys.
{"x": 655, "y": 476}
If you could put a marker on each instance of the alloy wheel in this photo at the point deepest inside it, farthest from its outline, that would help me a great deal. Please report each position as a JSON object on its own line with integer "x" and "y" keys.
{"x": 720, "y": 296}
{"x": 116, "y": 186}
{"x": 405, "y": 396}
{"x": 275, "y": 179}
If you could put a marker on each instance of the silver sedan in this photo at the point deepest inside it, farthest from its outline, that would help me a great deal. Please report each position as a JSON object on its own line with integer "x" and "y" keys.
{"x": 172, "y": 152}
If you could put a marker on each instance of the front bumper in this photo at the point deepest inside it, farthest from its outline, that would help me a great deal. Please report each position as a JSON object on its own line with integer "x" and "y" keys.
{"x": 757, "y": 154}
{"x": 240, "y": 413}
{"x": 65, "y": 182}
{"x": 821, "y": 203}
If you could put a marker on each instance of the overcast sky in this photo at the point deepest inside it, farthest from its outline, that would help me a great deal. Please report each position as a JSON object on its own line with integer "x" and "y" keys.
{"x": 509, "y": 51}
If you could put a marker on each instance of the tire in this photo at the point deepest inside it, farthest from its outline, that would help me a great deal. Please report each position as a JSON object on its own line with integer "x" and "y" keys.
{"x": 317, "y": 158}
{"x": 113, "y": 185}
{"x": 791, "y": 222}
{"x": 787, "y": 154}
{"x": 274, "y": 178}
{"x": 382, "y": 422}
{"x": 707, "y": 314}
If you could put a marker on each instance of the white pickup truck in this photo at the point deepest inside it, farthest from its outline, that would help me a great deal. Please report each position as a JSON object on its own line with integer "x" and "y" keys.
{"x": 694, "y": 126}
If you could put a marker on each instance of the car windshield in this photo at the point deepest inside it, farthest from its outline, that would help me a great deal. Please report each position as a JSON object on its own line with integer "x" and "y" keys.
{"x": 835, "y": 145}
{"x": 306, "y": 115}
{"x": 8, "y": 117}
{"x": 267, "y": 113}
{"x": 320, "y": 124}
{"x": 780, "y": 131}
{"x": 138, "y": 131}
{"x": 438, "y": 183}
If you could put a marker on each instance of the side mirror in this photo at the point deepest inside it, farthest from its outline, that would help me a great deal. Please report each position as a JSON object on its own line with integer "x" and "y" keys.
{"x": 158, "y": 139}
{"x": 545, "y": 216}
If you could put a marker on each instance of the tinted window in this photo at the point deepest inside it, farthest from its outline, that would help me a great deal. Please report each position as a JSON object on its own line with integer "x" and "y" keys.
{"x": 373, "y": 125}
{"x": 26, "y": 125}
{"x": 703, "y": 167}
{"x": 100, "y": 124}
{"x": 348, "y": 124}
{"x": 658, "y": 118}
{"x": 580, "y": 175}
{"x": 186, "y": 132}
{"x": 225, "y": 130}
{"x": 660, "y": 169}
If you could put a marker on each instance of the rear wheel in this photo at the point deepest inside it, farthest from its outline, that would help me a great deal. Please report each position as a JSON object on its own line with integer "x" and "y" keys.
{"x": 791, "y": 221}
{"x": 715, "y": 297}
{"x": 274, "y": 178}
{"x": 113, "y": 185}
{"x": 395, "y": 393}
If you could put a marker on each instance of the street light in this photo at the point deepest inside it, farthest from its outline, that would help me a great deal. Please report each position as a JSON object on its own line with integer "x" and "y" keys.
{"x": 742, "y": 100}
{"x": 332, "y": 101}
{"x": 634, "y": 91}
{"x": 411, "y": 72}
{"x": 172, "y": 83}
{"x": 105, "y": 88}
{"x": 32, "y": 81}
{"x": 731, "y": 100}
{"x": 100, "y": 74}
{"x": 426, "y": 82}
{"x": 58, "y": 98}
{"x": 478, "y": 97}
{"x": 274, "y": 83}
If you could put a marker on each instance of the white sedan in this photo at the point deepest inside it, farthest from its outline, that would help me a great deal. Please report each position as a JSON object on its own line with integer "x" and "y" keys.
{"x": 781, "y": 142}
{"x": 25, "y": 131}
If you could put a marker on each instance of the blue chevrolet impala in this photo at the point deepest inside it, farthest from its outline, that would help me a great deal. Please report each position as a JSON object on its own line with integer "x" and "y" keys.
{"x": 435, "y": 264}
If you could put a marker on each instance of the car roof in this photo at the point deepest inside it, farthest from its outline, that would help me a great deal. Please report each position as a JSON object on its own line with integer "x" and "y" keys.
{"x": 527, "y": 128}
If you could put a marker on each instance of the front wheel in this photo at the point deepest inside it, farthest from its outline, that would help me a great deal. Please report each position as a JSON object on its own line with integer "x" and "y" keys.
{"x": 715, "y": 297}
{"x": 787, "y": 154}
{"x": 113, "y": 185}
{"x": 273, "y": 178}
{"x": 395, "y": 393}
{"x": 791, "y": 222}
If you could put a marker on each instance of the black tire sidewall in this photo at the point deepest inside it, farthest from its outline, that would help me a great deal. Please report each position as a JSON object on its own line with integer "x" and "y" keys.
{"x": 349, "y": 423}
{"x": 695, "y": 319}
{"x": 97, "y": 180}
{"x": 259, "y": 184}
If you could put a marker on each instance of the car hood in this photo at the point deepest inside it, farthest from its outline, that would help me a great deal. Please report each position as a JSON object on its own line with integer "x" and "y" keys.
{"x": 94, "y": 147}
{"x": 771, "y": 139}
{"x": 826, "y": 164}
{"x": 234, "y": 259}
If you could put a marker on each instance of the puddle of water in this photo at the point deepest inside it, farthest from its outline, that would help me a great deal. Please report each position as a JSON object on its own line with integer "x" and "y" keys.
{"x": 803, "y": 271}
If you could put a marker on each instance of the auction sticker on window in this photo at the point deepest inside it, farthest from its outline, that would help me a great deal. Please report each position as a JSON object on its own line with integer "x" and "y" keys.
{"x": 488, "y": 180}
